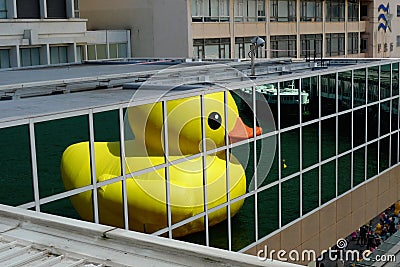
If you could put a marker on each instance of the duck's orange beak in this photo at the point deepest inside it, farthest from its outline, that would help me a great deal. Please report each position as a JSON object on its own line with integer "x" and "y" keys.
{"x": 242, "y": 132}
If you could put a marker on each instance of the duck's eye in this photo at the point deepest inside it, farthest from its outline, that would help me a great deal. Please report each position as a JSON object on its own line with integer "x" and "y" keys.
{"x": 214, "y": 120}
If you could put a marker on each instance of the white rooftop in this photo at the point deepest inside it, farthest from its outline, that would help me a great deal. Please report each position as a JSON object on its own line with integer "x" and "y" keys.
{"x": 29, "y": 238}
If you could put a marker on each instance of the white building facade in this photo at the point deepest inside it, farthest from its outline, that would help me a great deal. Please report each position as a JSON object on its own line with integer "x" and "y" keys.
{"x": 44, "y": 32}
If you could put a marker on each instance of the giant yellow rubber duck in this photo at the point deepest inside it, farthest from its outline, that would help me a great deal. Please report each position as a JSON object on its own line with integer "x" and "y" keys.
{"x": 147, "y": 209}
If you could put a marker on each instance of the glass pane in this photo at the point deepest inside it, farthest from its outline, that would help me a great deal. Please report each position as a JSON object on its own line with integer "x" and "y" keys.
{"x": 122, "y": 51}
{"x": 328, "y": 138}
{"x": 328, "y": 100}
{"x": 344, "y": 174}
{"x": 359, "y": 166}
{"x": 52, "y": 140}
{"x": 372, "y": 160}
{"x": 310, "y": 145}
{"x": 310, "y": 190}
{"x": 4, "y": 58}
{"x": 373, "y": 84}
{"x": 15, "y": 161}
{"x": 385, "y": 118}
{"x": 359, "y": 127}
{"x": 268, "y": 211}
{"x": 101, "y": 51}
{"x": 395, "y": 149}
{"x": 91, "y": 52}
{"x": 359, "y": 87}
{"x": 242, "y": 234}
{"x": 61, "y": 207}
{"x": 113, "y": 51}
{"x": 345, "y": 90}
{"x": 267, "y": 166}
{"x": 35, "y": 56}
{"x": 63, "y": 54}
{"x": 26, "y": 57}
{"x": 54, "y": 59}
{"x": 373, "y": 122}
{"x": 344, "y": 132}
{"x": 289, "y": 101}
{"x": 395, "y": 79}
{"x": 290, "y": 200}
{"x": 384, "y": 160}
{"x": 385, "y": 81}
{"x": 290, "y": 142}
{"x": 310, "y": 87}
{"x": 328, "y": 181}
{"x": 395, "y": 114}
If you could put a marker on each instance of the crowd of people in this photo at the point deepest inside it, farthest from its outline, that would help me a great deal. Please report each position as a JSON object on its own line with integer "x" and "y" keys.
{"x": 372, "y": 237}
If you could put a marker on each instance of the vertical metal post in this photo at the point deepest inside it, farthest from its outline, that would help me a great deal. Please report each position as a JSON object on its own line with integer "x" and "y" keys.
{"x": 255, "y": 161}
{"x": 93, "y": 168}
{"x": 319, "y": 140}
{"x": 366, "y": 126}
{"x": 204, "y": 161}
{"x": 352, "y": 131}
{"x": 167, "y": 173}
{"x": 35, "y": 176}
{"x": 301, "y": 147}
{"x": 279, "y": 158}
{"x": 337, "y": 135}
{"x": 379, "y": 116}
{"x": 227, "y": 176}
{"x": 123, "y": 168}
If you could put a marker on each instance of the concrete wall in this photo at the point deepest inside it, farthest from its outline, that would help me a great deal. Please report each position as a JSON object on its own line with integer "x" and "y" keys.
{"x": 389, "y": 36}
{"x": 323, "y": 228}
{"x": 15, "y": 32}
{"x": 159, "y": 28}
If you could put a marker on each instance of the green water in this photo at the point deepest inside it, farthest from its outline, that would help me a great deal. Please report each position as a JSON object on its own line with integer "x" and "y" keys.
{"x": 52, "y": 138}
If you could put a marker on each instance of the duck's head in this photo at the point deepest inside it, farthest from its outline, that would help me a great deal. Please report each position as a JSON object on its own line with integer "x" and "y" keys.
{"x": 184, "y": 124}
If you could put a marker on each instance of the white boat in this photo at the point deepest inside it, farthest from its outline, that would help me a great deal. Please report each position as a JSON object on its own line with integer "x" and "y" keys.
{"x": 288, "y": 95}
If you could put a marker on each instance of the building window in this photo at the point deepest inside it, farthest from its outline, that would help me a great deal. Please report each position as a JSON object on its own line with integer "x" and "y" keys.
{"x": 76, "y": 9}
{"x": 210, "y": 10}
{"x": 334, "y": 44}
{"x": 56, "y": 9}
{"x": 283, "y": 10}
{"x": 211, "y": 48}
{"x": 398, "y": 10}
{"x": 4, "y": 58}
{"x": 364, "y": 45}
{"x": 242, "y": 48}
{"x": 353, "y": 10}
{"x": 398, "y": 41}
{"x": 311, "y": 10}
{"x": 80, "y": 53}
{"x": 311, "y": 45}
{"x": 30, "y": 56}
{"x": 283, "y": 46}
{"x": 3, "y": 9}
{"x": 118, "y": 50}
{"x": 352, "y": 43}
{"x": 58, "y": 54}
{"x": 249, "y": 10}
{"x": 28, "y": 9}
{"x": 335, "y": 10}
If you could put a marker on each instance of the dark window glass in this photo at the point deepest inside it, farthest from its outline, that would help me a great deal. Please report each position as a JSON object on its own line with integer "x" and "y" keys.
{"x": 28, "y": 9}
{"x": 56, "y": 9}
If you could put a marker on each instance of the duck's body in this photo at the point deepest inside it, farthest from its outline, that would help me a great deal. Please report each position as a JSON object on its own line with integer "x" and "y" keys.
{"x": 147, "y": 202}
{"x": 147, "y": 192}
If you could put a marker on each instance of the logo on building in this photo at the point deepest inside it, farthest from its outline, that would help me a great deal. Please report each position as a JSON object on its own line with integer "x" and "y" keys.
{"x": 384, "y": 18}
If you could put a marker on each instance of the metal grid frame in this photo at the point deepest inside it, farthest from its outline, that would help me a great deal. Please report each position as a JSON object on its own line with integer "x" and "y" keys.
{"x": 170, "y": 227}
